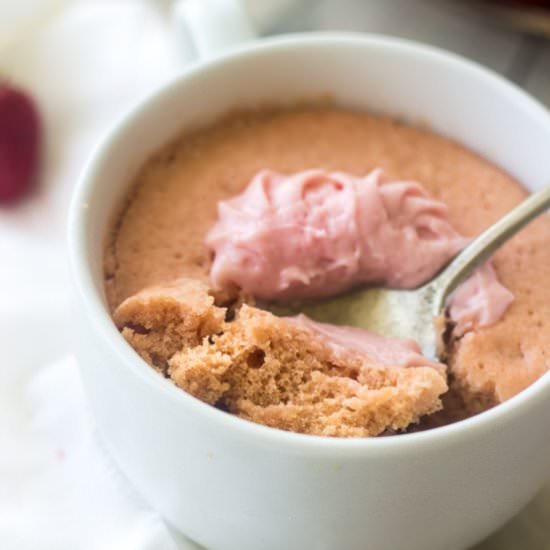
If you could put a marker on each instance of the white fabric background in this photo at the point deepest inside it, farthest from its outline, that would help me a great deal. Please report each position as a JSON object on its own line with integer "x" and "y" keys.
{"x": 58, "y": 489}
{"x": 86, "y": 66}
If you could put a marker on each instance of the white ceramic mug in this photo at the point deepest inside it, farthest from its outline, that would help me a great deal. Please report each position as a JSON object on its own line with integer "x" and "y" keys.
{"x": 231, "y": 484}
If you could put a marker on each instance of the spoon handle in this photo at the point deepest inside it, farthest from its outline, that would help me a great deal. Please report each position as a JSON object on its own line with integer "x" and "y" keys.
{"x": 481, "y": 248}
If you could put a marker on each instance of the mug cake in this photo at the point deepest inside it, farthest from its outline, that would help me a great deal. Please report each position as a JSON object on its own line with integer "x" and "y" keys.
{"x": 285, "y": 204}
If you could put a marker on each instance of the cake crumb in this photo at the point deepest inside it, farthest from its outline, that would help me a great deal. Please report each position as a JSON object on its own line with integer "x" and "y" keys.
{"x": 160, "y": 320}
{"x": 267, "y": 370}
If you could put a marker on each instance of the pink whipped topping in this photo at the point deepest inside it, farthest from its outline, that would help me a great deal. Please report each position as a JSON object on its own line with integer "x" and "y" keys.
{"x": 345, "y": 341}
{"x": 479, "y": 301}
{"x": 315, "y": 234}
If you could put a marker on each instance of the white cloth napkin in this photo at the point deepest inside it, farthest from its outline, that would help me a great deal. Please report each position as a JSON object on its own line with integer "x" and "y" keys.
{"x": 67, "y": 492}
{"x": 58, "y": 488}
{"x": 85, "y": 62}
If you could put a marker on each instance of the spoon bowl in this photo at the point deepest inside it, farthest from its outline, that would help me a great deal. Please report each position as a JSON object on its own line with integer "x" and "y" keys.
{"x": 420, "y": 314}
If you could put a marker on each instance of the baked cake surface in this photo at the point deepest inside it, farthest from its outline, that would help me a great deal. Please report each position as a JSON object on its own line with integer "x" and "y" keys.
{"x": 159, "y": 241}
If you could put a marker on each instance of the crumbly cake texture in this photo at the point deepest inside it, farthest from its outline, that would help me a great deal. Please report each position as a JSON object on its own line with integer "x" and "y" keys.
{"x": 159, "y": 237}
{"x": 267, "y": 370}
{"x": 160, "y": 321}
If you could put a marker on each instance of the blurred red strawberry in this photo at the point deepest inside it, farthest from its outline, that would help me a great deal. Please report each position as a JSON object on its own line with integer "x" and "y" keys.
{"x": 19, "y": 143}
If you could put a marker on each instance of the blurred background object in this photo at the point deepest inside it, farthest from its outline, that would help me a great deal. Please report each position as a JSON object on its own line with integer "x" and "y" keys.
{"x": 20, "y": 131}
{"x": 530, "y": 16}
{"x": 475, "y": 29}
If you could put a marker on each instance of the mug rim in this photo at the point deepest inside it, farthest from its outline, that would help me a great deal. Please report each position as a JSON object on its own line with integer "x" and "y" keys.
{"x": 93, "y": 305}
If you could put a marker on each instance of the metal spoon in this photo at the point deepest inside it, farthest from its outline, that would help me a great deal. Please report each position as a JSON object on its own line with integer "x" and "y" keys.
{"x": 415, "y": 313}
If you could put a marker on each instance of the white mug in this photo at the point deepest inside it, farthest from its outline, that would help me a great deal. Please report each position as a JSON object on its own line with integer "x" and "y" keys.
{"x": 231, "y": 484}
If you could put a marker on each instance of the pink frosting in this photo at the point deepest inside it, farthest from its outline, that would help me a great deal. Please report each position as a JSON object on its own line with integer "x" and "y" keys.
{"x": 479, "y": 301}
{"x": 345, "y": 341}
{"x": 315, "y": 234}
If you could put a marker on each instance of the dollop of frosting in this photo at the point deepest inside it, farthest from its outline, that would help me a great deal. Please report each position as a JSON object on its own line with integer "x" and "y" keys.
{"x": 315, "y": 234}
